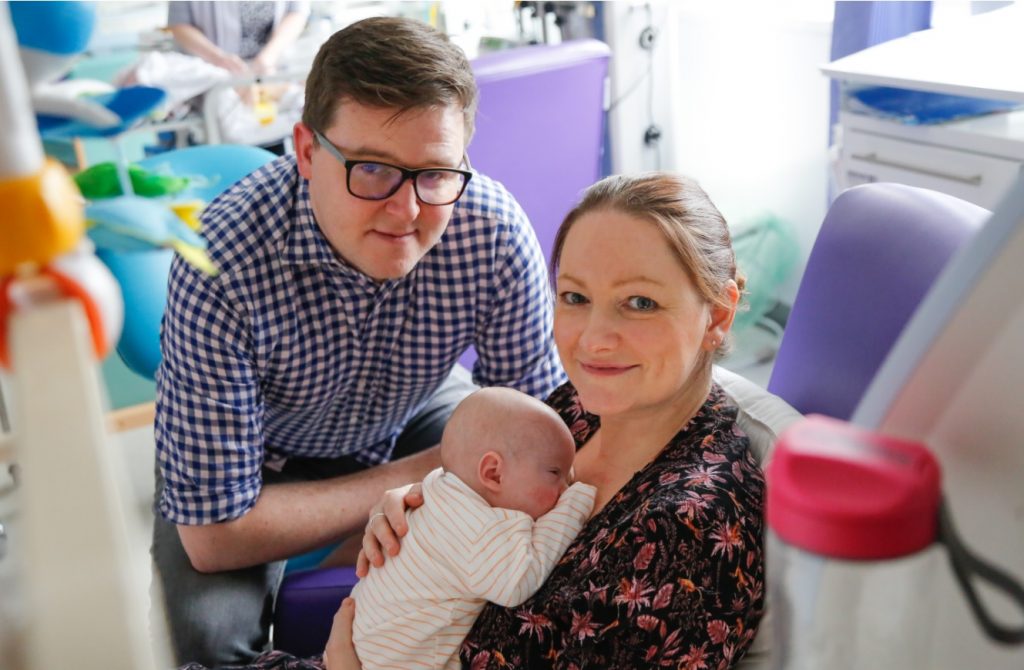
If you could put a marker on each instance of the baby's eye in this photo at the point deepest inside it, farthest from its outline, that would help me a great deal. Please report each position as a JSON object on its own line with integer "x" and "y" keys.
{"x": 572, "y": 298}
{"x": 641, "y": 303}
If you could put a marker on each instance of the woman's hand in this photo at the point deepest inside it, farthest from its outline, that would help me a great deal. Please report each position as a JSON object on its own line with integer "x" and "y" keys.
{"x": 340, "y": 653}
{"x": 387, "y": 524}
{"x": 264, "y": 63}
{"x": 231, "y": 63}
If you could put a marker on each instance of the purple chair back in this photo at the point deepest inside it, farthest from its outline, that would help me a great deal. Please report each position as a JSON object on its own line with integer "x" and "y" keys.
{"x": 879, "y": 250}
{"x": 540, "y": 128}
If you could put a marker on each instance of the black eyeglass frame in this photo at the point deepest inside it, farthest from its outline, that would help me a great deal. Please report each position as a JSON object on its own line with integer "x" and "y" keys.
{"x": 406, "y": 173}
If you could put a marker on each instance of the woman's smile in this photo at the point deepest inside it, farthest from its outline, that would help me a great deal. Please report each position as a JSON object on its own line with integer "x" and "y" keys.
{"x": 606, "y": 369}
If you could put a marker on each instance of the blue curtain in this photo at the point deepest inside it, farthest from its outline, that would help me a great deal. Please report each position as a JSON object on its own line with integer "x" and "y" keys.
{"x": 859, "y": 25}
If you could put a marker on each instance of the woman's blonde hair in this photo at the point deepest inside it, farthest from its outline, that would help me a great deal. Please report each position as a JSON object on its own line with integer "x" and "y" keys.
{"x": 695, "y": 230}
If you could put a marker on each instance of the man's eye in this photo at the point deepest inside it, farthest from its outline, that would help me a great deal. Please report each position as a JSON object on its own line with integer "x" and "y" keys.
{"x": 436, "y": 177}
{"x": 641, "y": 303}
{"x": 372, "y": 169}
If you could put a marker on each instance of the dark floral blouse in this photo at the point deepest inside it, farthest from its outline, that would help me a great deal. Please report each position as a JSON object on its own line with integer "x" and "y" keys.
{"x": 670, "y": 574}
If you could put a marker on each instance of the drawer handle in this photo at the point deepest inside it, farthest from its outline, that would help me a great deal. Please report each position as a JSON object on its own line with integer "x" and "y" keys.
{"x": 874, "y": 159}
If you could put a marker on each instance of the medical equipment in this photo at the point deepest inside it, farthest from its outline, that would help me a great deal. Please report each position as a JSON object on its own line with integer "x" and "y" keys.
{"x": 843, "y": 506}
{"x": 857, "y": 530}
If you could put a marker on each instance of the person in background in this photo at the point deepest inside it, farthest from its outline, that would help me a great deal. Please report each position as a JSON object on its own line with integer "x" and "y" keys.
{"x": 319, "y": 367}
{"x": 496, "y": 516}
{"x": 241, "y": 37}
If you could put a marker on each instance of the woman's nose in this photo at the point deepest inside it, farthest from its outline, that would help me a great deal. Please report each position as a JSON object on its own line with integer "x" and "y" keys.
{"x": 599, "y": 332}
{"x": 403, "y": 203}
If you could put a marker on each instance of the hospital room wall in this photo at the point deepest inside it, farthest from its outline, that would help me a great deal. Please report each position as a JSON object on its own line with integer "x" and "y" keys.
{"x": 738, "y": 99}
{"x": 752, "y": 111}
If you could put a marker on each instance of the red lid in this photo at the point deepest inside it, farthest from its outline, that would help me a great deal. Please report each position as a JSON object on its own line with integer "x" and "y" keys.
{"x": 845, "y": 492}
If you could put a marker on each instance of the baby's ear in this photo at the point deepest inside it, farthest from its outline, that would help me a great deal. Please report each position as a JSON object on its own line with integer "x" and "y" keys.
{"x": 491, "y": 470}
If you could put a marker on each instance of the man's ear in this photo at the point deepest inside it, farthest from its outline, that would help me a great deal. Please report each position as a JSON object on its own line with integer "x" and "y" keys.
{"x": 490, "y": 471}
{"x": 721, "y": 317}
{"x": 304, "y": 142}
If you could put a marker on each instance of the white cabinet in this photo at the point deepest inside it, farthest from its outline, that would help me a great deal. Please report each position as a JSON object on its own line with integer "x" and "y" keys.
{"x": 975, "y": 159}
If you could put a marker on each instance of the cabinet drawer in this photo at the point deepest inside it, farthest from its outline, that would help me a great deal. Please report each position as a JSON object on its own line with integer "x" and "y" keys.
{"x": 976, "y": 178}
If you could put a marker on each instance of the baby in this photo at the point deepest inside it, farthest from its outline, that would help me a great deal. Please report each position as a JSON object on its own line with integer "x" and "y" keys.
{"x": 497, "y": 515}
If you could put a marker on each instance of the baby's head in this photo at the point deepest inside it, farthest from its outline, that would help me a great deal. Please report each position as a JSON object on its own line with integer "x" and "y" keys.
{"x": 510, "y": 448}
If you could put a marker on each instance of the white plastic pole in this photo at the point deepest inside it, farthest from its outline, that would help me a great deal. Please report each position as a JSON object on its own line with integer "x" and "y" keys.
{"x": 84, "y": 588}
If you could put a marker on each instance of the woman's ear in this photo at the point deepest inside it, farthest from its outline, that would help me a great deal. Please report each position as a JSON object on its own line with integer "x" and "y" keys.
{"x": 721, "y": 316}
{"x": 490, "y": 471}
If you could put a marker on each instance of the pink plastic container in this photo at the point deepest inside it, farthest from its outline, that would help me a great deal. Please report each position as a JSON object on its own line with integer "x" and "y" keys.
{"x": 853, "y": 518}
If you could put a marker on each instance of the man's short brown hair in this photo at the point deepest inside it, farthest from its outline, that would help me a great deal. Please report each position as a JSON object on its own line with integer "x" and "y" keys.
{"x": 389, "y": 62}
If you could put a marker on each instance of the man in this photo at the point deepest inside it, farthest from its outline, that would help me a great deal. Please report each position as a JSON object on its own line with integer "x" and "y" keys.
{"x": 319, "y": 367}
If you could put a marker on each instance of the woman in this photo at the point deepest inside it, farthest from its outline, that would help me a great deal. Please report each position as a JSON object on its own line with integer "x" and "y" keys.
{"x": 242, "y": 38}
{"x": 668, "y": 571}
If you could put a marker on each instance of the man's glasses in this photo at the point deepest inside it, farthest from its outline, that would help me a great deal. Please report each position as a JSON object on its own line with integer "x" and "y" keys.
{"x": 372, "y": 180}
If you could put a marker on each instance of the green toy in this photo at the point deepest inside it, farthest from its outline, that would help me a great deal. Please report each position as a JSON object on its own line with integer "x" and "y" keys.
{"x": 101, "y": 181}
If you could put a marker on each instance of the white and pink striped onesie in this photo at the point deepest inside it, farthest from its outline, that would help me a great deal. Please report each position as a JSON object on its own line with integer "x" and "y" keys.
{"x": 459, "y": 553}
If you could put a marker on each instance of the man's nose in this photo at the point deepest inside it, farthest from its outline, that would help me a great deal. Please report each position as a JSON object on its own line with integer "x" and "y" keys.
{"x": 403, "y": 203}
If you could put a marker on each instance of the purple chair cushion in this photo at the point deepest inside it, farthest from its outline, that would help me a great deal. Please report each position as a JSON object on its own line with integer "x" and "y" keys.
{"x": 879, "y": 250}
{"x": 305, "y": 608}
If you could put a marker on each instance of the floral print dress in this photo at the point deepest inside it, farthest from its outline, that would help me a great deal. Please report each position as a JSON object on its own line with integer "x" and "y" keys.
{"x": 670, "y": 574}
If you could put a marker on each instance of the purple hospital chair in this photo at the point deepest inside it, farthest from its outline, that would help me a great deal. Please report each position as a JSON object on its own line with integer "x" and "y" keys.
{"x": 540, "y": 132}
{"x": 878, "y": 252}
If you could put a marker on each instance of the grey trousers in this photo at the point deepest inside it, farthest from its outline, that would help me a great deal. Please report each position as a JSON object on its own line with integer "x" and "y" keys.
{"x": 224, "y": 618}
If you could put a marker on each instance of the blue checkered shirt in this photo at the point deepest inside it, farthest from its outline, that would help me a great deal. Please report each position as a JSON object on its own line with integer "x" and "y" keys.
{"x": 290, "y": 351}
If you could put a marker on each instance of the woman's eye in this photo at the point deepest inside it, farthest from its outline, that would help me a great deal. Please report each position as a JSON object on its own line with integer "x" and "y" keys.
{"x": 641, "y": 303}
{"x": 572, "y": 298}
